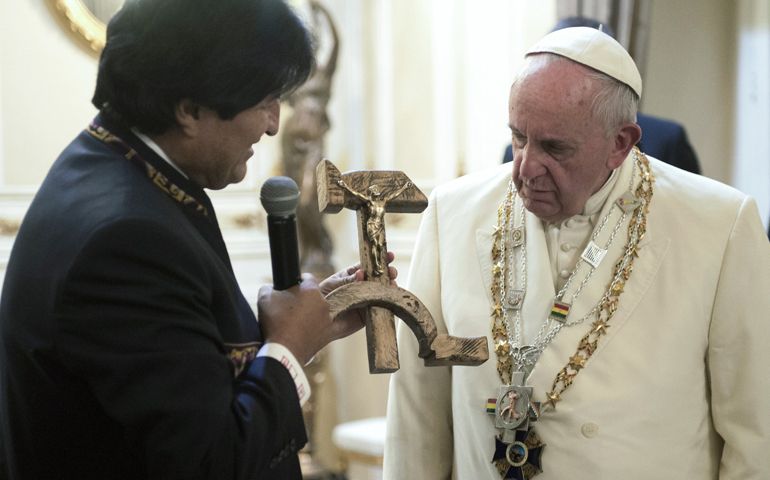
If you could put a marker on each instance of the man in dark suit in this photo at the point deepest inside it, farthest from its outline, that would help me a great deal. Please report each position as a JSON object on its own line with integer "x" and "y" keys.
{"x": 128, "y": 350}
{"x": 667, "y": 141}
{"x": 663, "y": 139}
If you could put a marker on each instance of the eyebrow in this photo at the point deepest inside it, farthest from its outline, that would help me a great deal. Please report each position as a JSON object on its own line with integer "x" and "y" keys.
{"x": 555, "y": 142}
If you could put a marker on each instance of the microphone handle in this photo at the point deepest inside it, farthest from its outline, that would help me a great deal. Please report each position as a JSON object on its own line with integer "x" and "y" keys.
{"x": 284, "y": 253}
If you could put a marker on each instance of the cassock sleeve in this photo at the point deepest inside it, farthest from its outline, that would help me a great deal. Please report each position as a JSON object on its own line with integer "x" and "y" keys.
{"x": 419, "y": 415}
{"x": 739, "y": 351}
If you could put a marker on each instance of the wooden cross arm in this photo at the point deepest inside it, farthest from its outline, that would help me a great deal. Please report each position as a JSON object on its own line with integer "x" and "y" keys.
{"x": 332, "y": 197}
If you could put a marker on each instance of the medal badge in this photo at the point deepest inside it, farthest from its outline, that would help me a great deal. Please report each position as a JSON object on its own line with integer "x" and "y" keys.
{"x": 517, "y": 447}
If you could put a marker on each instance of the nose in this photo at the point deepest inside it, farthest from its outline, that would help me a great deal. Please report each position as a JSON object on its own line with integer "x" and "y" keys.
{"x": 273, "y": 117}
{"x": 530, "y": 165}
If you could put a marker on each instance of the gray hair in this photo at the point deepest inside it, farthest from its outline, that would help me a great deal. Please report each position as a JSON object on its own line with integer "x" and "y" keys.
{"x": 614, "y": 104}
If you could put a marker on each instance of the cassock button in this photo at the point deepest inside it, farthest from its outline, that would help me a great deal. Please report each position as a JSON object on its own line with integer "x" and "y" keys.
{"x": 566, "y": 247}
{"x": 564, "y": 274}
{"x": 589, "y": 430}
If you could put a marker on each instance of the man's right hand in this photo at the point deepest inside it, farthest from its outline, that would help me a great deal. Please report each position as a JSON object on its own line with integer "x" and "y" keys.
{"x": 298, "y": 318}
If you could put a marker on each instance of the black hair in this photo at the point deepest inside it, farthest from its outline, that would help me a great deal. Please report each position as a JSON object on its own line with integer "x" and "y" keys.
{"x": 226, "y": 55}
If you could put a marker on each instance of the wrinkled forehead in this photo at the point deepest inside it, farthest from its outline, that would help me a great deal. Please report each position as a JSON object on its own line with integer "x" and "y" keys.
{"x": 550, "y": 79}
{"x": 555, "y": 67}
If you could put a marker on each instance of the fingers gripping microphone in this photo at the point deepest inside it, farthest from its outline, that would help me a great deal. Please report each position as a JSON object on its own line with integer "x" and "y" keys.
{"x": 279, "y": 196}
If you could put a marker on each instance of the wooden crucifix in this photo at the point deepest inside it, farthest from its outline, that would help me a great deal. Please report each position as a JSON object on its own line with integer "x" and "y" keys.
{"x": 372, "y": 194}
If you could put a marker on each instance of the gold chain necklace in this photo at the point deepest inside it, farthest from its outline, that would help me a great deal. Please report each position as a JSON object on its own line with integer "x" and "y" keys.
{"x": 512, "y": 458}
{"x": 609, "y": 302}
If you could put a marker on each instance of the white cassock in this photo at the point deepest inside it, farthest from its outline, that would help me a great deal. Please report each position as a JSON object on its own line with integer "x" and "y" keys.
{"x": 679, "y": 387}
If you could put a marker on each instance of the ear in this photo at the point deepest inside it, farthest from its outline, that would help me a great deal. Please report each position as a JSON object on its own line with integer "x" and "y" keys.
{"x": 188, "y": 116}
{"x": 625, "y": 138}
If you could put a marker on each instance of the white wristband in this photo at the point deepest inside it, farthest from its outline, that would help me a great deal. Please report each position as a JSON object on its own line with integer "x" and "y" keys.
{"x": 288, "y": 360}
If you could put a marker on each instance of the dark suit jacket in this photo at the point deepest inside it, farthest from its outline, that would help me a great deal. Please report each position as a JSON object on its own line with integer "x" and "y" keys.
{"x": 127, "y": 345}
{"x": 662, "y": 139}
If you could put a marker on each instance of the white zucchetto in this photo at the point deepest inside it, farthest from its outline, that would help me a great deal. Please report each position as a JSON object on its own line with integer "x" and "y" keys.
{"x": 594, "y": 49}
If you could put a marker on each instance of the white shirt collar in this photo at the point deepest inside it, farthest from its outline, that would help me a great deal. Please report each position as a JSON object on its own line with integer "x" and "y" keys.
{"x": 596, "y": 201}
{"x": 156, "y": 148}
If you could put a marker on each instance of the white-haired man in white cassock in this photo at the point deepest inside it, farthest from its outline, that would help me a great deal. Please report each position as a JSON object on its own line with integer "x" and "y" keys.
{"x": 626, "y": 301}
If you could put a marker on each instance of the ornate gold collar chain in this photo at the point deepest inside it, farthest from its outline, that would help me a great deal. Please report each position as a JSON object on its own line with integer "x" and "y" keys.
{"x": 518, "y": 449}
{"x": 161, "y": 181}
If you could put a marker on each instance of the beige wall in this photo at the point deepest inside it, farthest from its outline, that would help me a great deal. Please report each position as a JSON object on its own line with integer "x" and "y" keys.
{"x": 46, "y": 82}
{"x": 690, "y": 75}
{"x": 751, "y": 169}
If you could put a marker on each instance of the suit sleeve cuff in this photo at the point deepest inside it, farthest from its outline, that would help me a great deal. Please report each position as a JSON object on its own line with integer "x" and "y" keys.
{"x": 287, "y": 359}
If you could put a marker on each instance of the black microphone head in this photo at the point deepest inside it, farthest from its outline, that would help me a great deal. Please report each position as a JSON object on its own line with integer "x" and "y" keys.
{"x": 279, "y": 196}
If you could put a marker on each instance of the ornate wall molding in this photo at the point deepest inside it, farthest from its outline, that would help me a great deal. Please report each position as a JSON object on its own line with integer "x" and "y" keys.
{"x": 82, "y": 23}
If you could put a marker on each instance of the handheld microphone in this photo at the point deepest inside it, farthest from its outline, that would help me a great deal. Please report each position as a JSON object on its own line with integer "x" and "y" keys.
{"x": 279, "y": 196}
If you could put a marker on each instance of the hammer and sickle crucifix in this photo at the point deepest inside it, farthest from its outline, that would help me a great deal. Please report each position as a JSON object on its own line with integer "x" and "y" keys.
{"x": 371, "y": 194}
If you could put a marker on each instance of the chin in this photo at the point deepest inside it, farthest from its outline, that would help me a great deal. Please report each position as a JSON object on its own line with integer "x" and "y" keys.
{"x": 538, "y": 208}
{"x": 225, "y": 181}
{"x": 237, "y": 174}
{"x": 237, "y": 178}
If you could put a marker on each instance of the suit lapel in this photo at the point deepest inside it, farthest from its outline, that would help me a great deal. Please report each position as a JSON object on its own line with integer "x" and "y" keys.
{"x": 484, "y": 233}
{"x": 539, "y": 281}
{"x": 540, "y": 291}
{"x": 484, "y": 256}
